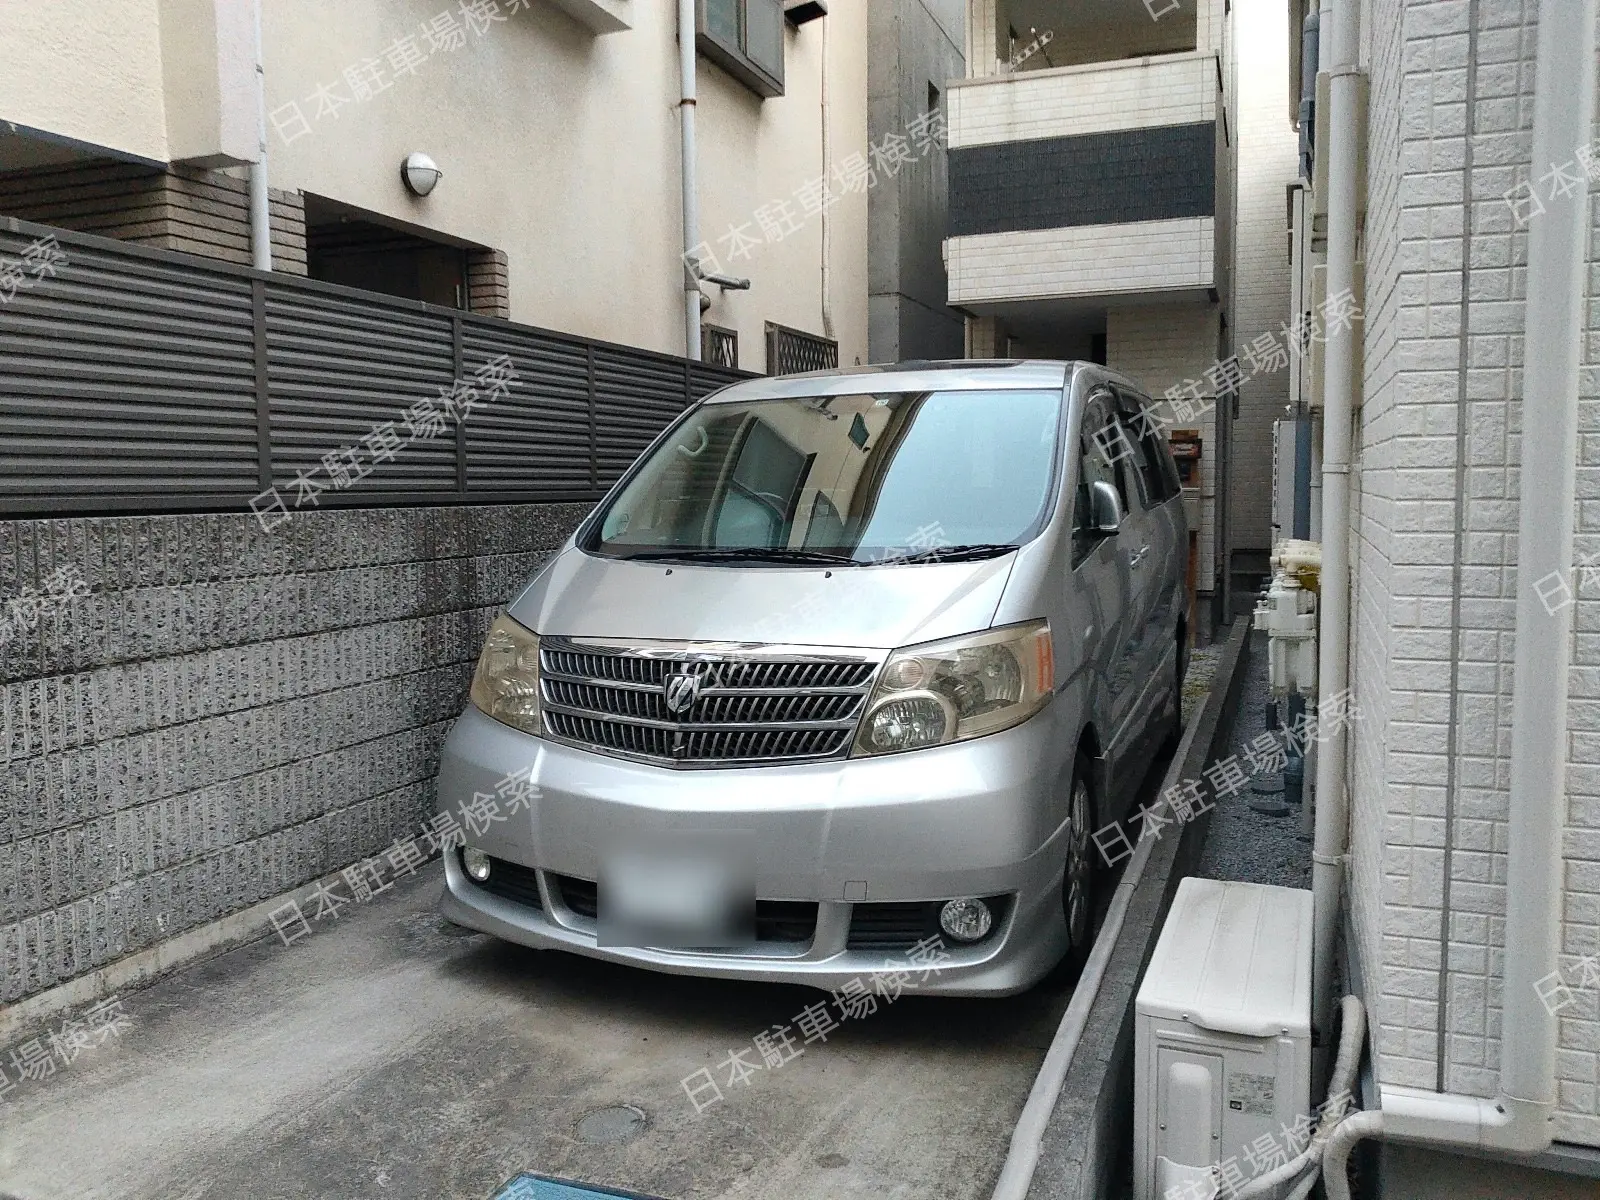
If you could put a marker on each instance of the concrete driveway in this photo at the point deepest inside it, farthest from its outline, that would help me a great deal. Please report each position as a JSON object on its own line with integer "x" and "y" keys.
{"x": 391, "y": 1055}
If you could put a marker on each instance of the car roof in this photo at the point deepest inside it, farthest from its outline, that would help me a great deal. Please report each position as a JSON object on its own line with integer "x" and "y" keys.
{"x": 913, "y": 376}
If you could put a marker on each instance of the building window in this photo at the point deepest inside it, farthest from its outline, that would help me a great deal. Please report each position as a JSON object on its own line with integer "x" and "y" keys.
{"x": 745, "y": 38}
{"x": 789, "y": 351}
{"x": 719, "y": 346}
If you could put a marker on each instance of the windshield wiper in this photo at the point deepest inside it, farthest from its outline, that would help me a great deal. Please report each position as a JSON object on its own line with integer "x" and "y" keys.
{"x": 966, "y": 553}
{"x": 776, "y": 554}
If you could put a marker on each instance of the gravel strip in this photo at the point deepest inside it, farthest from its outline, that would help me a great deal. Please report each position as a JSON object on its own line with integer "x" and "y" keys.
{"x": 1243, "y": 844}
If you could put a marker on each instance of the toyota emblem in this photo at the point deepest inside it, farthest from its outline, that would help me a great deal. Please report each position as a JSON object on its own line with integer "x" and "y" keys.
{"x": 683, "y": 689}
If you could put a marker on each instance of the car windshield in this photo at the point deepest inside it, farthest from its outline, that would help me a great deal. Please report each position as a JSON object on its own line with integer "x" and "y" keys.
{"x": 858, "y": 479}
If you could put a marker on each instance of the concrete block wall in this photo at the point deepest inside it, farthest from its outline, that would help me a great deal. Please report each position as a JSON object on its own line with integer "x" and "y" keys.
{"x": 226, "y": 714}
{"x": 1267, "y": 163}
{"x": 1434, "y": 550}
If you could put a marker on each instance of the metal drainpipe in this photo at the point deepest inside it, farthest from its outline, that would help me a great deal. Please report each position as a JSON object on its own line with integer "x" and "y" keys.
{"x": 691, "y": 204}
{"x": 260, "y": 213}
{"x": 827, "y": 230}
{"x": 1340, "y": 40}
{"x": 1521, "y": 1118}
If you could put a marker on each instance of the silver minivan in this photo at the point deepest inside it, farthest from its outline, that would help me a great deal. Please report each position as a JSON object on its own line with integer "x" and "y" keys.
{"x": 836, "y": 684}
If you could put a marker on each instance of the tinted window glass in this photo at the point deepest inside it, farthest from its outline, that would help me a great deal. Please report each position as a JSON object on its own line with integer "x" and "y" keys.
{"x": 1145, "y": 454}
{"x": 1161, "y": 473}
{"x": 1104, "y": 454}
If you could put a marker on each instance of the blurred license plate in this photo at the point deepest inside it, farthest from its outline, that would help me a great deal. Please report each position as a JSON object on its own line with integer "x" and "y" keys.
{"x": 694, "y": 892}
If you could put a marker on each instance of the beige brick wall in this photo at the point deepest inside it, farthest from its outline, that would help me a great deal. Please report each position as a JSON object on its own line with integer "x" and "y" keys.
{"x": 175, "y": 208}
{"x": 489, "y": 283}
{"x": 1099, "y": 260}
{"x": 1177, "y": 89}
{"x": 1164, "y": 346}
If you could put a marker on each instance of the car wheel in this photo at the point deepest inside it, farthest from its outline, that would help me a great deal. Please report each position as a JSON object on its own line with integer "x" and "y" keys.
{"x": 1078, "y": 879}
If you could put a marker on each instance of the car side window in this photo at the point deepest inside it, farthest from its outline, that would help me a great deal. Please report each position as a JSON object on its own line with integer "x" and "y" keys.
{"x": 1157, "y": 467}
{"x": 1145, "y": 454}
{"x": 1102, "y": 453}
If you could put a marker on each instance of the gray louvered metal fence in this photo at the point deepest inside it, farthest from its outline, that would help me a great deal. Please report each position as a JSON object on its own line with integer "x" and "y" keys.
{"x": 137, "y": 380}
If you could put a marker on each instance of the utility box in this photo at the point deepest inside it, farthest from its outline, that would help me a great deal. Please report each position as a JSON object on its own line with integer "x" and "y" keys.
{"x": 1222, "y": 1034}
{"x": 1186, "y": 450}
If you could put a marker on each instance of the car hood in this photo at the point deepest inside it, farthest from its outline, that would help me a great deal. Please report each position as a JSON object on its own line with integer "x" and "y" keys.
{"x": 878, "y": 607}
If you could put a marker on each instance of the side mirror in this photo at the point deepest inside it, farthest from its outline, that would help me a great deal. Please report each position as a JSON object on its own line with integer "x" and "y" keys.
{"x": 1105, "y": 508}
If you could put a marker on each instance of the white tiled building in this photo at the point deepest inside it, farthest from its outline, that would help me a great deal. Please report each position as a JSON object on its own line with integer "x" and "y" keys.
{"x": 1433, "y": 544}
{"x": 1268, "y": 169}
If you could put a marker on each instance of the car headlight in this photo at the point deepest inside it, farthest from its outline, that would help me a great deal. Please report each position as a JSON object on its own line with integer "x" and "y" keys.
{"x": 506, "y": 684}
{"x": 961, "y": 687}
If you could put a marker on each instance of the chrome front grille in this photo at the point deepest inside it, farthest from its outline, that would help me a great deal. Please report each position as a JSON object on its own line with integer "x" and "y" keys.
{"x": 743, "y": 706}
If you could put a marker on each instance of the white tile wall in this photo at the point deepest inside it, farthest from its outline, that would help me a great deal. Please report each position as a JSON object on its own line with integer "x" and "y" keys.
{"x": 1434, "y": 553}
{"x": 1175, "y": 89}
{"x": 1268, "y": 162}
{"x": 1086, "y": 260}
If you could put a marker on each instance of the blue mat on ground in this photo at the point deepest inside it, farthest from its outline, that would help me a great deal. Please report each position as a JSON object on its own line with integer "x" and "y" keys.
{"x": 542, "y": 1187}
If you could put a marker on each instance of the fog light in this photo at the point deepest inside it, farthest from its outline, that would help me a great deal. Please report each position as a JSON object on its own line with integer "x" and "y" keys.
{"x": 477, "y": 864}
{"x": 966, "y": 920}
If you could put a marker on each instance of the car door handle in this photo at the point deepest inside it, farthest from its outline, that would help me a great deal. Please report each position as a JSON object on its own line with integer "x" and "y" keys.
{"x": 1137, "y": 557}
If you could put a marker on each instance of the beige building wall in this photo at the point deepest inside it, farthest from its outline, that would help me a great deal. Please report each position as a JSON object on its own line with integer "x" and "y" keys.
{"x": 86, "y": 70}
{"x": 1268, "y": 163}
{"x": 1165, "y": 346}
{"x": 560, "y": 147}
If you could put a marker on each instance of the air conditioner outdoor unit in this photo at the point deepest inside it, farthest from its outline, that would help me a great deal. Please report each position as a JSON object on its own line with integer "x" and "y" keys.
{"x": 1222, "y": 1036}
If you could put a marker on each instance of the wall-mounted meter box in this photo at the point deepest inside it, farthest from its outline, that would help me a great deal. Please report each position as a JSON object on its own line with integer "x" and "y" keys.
{"x": 1222, "y": 1032}
{"x": 1186, "y": 451}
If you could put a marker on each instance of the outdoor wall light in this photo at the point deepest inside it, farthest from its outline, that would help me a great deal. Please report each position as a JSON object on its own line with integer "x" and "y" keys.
{"x": 419, "y": 173}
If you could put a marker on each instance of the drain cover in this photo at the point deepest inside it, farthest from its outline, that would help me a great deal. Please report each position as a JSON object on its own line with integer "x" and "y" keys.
{"x": 604, "y": 1126}
{"x": 542, "y": 1187}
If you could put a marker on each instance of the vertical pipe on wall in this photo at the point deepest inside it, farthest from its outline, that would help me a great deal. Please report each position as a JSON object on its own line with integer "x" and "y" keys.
{"x": 1558, "y": 243}
{"x": 1340, "y": 39}
{"x": 260, "y": 213}
{"x": 691, "y": 203}
{"x": 827, "y": 229}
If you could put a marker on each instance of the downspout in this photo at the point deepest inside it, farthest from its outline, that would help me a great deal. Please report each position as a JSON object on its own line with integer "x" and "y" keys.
{"x": 1339, "y": 38}
{"x": 260, "y": 218}
{"x": 691, "y": 204}
{"x": 1521, "y": 1118}
{"x": 827, "y": 229}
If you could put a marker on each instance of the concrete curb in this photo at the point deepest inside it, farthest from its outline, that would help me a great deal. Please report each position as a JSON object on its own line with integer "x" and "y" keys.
{"x": 1086, "y": 1153}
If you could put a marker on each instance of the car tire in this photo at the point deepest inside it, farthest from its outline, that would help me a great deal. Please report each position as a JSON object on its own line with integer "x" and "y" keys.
{"x": 1080, "y": 875}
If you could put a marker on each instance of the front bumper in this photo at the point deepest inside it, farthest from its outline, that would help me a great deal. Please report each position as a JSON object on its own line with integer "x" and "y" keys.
{"x": 979, "y": 818}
